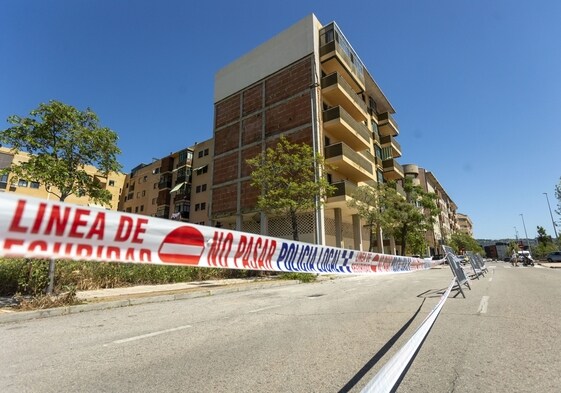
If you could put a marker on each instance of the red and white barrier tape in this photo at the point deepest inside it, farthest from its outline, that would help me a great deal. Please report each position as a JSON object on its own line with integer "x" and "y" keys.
{"x": 31, "y": 227}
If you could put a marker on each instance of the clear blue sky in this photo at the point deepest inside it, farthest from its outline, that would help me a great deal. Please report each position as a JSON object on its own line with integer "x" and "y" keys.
{"x": 476, "y": 84}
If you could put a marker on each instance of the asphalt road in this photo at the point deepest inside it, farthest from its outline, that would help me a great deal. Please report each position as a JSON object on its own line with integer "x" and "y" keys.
{"x": 323, "y": 337}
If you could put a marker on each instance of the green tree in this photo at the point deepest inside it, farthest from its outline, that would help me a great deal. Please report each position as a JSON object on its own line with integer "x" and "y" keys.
{"x": 368, "y": 202}
{"x": 62, "y": 141}
{"x": 543, "y": 237}
{"x": 287, "y": 176}
{"x": 462, "y": 241}
{"x": 409, "y": 217}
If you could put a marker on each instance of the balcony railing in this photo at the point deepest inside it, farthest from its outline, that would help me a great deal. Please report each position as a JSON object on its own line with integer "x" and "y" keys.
{"x": 387, "y": 125}
{"x": 337, "y": 121}
{"x": 334, "y": 47}
{"x": 392, "y": 169}
{"x": 183, "y": 196}
{"x": 337, "y": 89}
{"x": 164, "y": 184}
{"x": 343, "y": 188}
{"x": 348, "y": 162}
{"x": 390, "y": 141}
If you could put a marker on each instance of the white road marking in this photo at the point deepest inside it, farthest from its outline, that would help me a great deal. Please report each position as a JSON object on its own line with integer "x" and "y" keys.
{"x": 490, "y": 279}
{"x": 483, "y": 305}
{"x": 265, "y": 308}
{"x": 142, "y": 336}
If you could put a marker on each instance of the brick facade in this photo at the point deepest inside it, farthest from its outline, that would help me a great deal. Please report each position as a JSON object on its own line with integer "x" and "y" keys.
{"x": 224, "y": 199}
{"x": 278, "y": 104}
{"x": 227, "y": 111}
{"x": 226, "y": 139}
{"x": 225, "y": 168}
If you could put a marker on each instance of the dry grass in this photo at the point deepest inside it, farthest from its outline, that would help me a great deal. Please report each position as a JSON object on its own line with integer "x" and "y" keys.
{"x": 46, "y": 301}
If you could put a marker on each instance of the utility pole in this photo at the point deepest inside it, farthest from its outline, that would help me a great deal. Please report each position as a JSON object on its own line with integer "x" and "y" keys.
{"x": 526, "y": 233}
{"x": 551, "y": 215}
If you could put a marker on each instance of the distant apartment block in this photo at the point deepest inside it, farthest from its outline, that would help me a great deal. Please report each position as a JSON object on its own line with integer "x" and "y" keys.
{"x": 445, "y": 223}
{"x": 9, "y": 183}
{"x": 309, "y": 85}
{"x": 201, "y": 182}
{"x": 464, "y": 224}
{"x": 161, "y": 188}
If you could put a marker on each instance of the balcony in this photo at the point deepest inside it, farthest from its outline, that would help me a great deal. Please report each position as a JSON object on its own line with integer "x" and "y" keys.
{"x": 376, "y": 135}
{"x": 337, "y": 55}
{"x": 392, "y": 169}
{"x": 342, "y": 126}
{"x": 182, "y": 196}
{"x": 387, "y": 125}
{"x": 164, "y": 184}
{"x": 336, "y": 90}
{"x": 349, "y": 163}
{"x": 343, "y": 191}
{"x": 163, "y": 198}
{"x": 389, "y": 141}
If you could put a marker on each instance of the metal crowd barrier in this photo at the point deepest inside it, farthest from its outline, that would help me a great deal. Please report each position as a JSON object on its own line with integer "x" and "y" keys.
{"x": 457, "y": 269}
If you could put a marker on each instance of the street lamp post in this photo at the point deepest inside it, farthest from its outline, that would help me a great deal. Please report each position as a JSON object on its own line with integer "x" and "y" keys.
{"x": 551, "y": 215}
{"x": 526, "y": 233}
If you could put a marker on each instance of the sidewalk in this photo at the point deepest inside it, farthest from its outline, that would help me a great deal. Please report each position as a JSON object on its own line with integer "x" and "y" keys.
{"x": 552, "y": 265}
{"x": 102, "y": 299}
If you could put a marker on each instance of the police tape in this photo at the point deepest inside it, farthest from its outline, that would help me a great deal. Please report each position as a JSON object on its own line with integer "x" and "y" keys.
{"x": 389, "y": 375}
{"x": 36, "y": 228}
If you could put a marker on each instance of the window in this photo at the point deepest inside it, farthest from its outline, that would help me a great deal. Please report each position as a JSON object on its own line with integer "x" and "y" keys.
{"x": 156, "y": 171}
{"x": 141, "y": 208}
{"x": 203, "y": 187}
{"x": 198, "y": 189}
{"x": 138, "y": 195}
{"x": 153, "y": 201}
{"x": 206, "y": 152}
{"x": 128, "y": 210}
{"x": 136, "y": 209}
{"x": 380, "y": 176}
{"x": 34, "y": 184}
{"x": 201, "y": 170}
{"x": 183, "y": 156}
{"x": 143, "y": 193}
{"x": 200, "y": 154}
{"x": 22, "y": 183}
{"x": 203, "y": 206}
{"x": 197, "y": 207}
{"x": 111, "y": 183}
{"x": 3, "y": 181}
{"x": 155, "y": 185}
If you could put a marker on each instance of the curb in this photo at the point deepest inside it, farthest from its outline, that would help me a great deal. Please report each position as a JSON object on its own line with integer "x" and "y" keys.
{"x": 101, "y": 304}
{"x": 551, "y": 265}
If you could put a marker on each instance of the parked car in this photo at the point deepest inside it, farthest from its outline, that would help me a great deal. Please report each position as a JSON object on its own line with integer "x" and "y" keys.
{"x": 554, "y": 256}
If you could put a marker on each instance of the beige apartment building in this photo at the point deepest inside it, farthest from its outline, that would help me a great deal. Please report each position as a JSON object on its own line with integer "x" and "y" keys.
{"x": 445, "y": 223}
{"x": 464, "y": 224}
{"x": 201, "y": 182}
{"x": 161, "y": 188}
{"x": 114, "y": 183}
{"x": 309, "y": 85}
